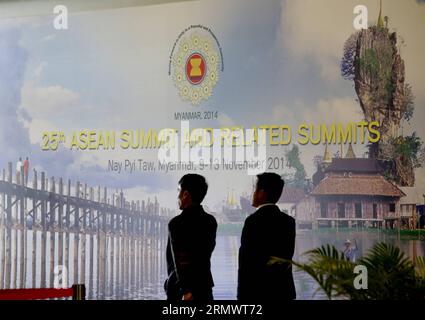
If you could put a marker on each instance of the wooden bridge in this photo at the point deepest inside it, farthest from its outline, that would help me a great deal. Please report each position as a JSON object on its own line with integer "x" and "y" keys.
{"x": 52, "y": 233}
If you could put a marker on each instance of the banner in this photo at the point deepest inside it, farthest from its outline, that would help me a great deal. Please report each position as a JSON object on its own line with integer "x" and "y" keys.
{"x": 122, "y": 102}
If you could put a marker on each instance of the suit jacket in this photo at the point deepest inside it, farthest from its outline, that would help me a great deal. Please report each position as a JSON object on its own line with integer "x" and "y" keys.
{"x": 266, "y": 233}
{"x": 191, "y": 241}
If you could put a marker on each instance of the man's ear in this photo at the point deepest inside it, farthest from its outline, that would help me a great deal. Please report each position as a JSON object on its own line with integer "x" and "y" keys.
{"x": 186, "y": 194}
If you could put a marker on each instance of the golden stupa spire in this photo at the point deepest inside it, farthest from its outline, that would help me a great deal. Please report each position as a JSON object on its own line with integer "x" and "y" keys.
{"x": 350, "y": 152}
{"x": 327, "y": 156}
{"x": 380, "y": 20}
{"x": 232, "y": 199}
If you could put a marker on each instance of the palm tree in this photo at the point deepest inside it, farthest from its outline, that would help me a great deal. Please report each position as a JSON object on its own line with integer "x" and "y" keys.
{"x": 391, "y": 275}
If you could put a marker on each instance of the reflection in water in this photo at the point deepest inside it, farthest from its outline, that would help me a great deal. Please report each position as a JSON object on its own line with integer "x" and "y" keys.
{"x": 225, "y": 262}
{"x": 225, "y": 271}
{"x": 147, "y": 284}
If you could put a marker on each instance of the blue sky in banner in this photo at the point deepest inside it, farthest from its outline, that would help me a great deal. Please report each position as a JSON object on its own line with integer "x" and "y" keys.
{"x": 109, "y": 71}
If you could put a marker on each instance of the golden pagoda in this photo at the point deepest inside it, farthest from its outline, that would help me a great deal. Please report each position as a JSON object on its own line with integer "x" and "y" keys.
{"x": 350, "y": 153}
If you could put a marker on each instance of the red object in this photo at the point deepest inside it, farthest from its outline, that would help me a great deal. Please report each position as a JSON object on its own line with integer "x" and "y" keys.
{"x": 195, "y": 68}
{"x": 26, "y": 167}
{"x": 34, "y": 294}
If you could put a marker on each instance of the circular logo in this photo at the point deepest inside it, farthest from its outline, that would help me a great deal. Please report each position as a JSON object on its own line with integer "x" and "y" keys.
{"x": 195, "y": 68}
{"x": 196, "y": 64}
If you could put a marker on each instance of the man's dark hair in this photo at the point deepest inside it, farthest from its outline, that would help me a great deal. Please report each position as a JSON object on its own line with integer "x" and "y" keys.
{"x": 196, "y": 185}
{"x": 272, "y": 184}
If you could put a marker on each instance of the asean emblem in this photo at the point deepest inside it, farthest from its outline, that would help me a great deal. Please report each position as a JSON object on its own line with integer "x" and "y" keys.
{"x": 195, "y": 68}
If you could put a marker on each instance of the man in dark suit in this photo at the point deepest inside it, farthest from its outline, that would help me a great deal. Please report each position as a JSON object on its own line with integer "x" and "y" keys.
{"x": 191, "y": 241}
{"x": 268, "y": 237}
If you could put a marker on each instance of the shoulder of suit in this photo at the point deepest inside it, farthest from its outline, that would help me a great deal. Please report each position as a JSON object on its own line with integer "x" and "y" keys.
{"x": 275, "y": 209}
{"x": 291, "y": 219}
{"x": 287, "y": 216}
{"x": 210, "y": 217}
{"x": 251, "y": 218}
{"x": 175, "y": 220}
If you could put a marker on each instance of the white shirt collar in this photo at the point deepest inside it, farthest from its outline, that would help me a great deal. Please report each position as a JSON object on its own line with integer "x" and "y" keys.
{"x": 266, "y": 204}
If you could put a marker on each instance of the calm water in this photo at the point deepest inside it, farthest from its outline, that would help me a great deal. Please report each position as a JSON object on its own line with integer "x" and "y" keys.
{"x": 224, "y": 264}
{"x": 225, "y": 259}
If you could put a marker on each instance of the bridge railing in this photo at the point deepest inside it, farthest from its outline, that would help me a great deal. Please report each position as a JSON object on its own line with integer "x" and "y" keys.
{"x": 81, "y": 234}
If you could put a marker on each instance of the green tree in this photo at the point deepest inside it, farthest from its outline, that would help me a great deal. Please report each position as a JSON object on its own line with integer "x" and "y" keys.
{"x": 293, "y": 161}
